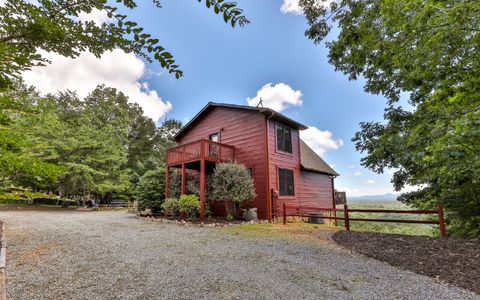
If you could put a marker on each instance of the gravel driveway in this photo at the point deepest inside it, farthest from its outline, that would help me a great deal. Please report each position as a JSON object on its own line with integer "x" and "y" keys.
{"x": 114, "y": 255}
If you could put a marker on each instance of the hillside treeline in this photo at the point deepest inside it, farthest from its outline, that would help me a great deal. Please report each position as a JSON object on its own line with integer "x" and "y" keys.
{"x": 98, "y": 147}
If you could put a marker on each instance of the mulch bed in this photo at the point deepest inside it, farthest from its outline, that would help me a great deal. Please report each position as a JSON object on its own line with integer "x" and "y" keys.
{"x": 454, "y": 261}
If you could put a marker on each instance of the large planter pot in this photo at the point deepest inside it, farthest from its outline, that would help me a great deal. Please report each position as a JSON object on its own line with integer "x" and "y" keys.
{"x": 251, "y": 214}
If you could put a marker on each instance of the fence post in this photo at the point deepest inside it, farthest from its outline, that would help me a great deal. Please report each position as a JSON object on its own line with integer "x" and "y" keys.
{"x": 345, "y": 216}
{"x": 284, "y": 214}
{"x": 441, "y": 221}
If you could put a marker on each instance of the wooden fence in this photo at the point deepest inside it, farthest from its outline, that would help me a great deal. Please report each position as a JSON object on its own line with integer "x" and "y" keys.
{"x": 305, "y": 211}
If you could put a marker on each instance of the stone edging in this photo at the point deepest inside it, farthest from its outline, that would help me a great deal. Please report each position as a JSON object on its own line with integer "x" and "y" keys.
{"x": 3, "y": 261}
{"x": 188, "y": 223}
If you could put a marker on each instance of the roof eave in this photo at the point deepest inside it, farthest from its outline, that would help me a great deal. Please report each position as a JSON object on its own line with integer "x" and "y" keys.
{"x": 261, "y": 110}
{"x": 334, "y": 174}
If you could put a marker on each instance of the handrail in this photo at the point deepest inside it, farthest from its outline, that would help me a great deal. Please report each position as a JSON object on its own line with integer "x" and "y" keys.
{"x": 218, "y": 143}
{"x": 399, "y": 211}
{"x": 199, "y": 141}
{"x": 199, "y": 149}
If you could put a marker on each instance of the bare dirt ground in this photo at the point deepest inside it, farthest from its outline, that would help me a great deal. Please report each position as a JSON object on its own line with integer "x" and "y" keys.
{"x": 115, "y": 255}
{"x": 455, "y": 261}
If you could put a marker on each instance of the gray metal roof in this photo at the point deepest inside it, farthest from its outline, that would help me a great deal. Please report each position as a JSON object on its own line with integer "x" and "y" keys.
{"x": 265, "y": 110}
{"x": 311, "y": 161}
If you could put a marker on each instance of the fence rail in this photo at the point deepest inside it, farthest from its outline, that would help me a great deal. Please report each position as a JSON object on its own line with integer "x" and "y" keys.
{"x": 305, "y": 211}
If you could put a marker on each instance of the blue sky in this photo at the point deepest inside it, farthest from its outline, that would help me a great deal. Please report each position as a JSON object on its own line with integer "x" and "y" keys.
{"x": 231, "y": 65}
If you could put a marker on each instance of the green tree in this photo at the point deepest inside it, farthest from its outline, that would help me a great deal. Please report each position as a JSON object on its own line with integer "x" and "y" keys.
{"x": 233, "y": 184}
{"x": 165, "y": 138}
{"x": 108, "y": 109}
{"x": 151, "y": 190}
{"x": 429, "y": 50}
{"x": 55, "y": 26}
{"x": 21, "y": 161}
{"x": 98, "y": 147}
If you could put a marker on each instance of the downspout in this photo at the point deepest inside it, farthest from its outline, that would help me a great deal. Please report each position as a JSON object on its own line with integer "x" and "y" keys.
{"x": 267, "y": 166}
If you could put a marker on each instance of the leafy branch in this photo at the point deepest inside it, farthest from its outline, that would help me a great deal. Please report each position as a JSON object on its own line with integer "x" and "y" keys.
{"x": 55, "y": 26}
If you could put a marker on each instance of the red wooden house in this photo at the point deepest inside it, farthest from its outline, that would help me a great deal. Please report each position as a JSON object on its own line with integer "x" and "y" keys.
{"x": 284, "y": 168}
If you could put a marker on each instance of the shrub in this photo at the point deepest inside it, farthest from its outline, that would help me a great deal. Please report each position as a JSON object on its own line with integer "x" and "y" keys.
{"x": 233, "y": 184}
{"x": 230, "y": 217}
{"x": 151, "y": 190}
{"x": 190, "y": 205}
{"x": 171, "y": 206}
{"x": 174, "y": 184}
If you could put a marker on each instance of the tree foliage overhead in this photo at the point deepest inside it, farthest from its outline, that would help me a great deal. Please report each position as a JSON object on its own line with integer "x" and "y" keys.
{"x": 429, "y": 50}
{"x": 414, "y": 46}
{"x": 56, "y": 26}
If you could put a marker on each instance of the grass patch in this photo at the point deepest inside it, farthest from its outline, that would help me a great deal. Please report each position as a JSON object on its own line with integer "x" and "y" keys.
{"x": 306, "y": 231}
{"x": 291, "y": 231}
{"x": 395, "y": 228}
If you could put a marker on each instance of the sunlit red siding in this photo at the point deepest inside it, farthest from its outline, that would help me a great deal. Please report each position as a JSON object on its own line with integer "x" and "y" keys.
{"x": 315, "y": 190}
{"x": 245, "y": 130}
{"x": 280, "y": 159}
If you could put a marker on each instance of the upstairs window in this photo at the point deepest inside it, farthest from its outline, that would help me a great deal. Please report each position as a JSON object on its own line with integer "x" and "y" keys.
{"x": 285, "y": 182}
{"x": 214, "y": 149}
{"x": 284, "y": 138}
{"x": 214, "y": 137}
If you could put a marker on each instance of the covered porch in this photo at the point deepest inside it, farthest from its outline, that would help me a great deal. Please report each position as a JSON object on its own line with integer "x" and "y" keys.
{"x": 201, "y": 155}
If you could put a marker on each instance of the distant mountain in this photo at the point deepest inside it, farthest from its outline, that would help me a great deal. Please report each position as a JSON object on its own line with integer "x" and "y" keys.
{"x": 385, "y": 197}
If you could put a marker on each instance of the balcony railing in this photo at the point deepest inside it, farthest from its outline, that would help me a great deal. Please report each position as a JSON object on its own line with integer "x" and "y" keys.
{"x": 201, "y": 149}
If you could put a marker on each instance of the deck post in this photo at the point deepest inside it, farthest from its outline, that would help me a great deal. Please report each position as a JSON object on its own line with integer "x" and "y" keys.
{"x": 167, "y": 172}
{"x": 441, "y": 222}
{"x": 345, "y": 216}
{"x": 284, "y": 214}
{"x": 202, "y": 190}
{"x": 183, "y": 180}
{"x": 334, "y": 202}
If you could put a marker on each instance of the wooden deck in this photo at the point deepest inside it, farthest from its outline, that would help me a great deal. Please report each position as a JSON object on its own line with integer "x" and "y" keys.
{"x": 200, "y": 150}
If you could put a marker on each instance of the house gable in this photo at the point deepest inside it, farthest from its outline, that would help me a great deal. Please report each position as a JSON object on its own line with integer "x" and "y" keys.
{"x": 271, "y": 114}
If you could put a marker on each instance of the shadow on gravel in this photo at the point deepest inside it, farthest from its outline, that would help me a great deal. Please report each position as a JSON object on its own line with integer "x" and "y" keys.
{"x": 454, "y": 261}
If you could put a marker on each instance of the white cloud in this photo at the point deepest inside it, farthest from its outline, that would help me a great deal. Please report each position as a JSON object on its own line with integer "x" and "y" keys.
{"x": 34, "y": 2}
{"x": 117, "y": 69}
{"x": 291, "y": 7}
{"x": 369, "y": 181}
{"x": 97, "y": 16}
{"x": 281, "y": 96}
{"x": 277, "y": 97}
{"x": 357, "y": 174}
{"x": 320, "y": 141}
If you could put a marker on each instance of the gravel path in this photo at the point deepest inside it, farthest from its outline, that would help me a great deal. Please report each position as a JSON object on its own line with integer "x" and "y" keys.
{"x": 114, "y": 255}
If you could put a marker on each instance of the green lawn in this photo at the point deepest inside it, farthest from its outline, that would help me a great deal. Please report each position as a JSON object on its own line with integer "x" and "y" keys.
{"x": 398, "y": 228}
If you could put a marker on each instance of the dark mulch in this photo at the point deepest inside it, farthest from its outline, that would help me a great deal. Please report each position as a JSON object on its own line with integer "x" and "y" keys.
{"x": 454, "y": 261}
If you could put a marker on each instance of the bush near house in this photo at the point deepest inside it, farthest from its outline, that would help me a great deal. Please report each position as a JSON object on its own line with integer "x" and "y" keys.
{"x": 233, "y": 184}
{"x": 190, "y": 205}
{"x": 171, "y": 206}
{"x": 151, "y": 190}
